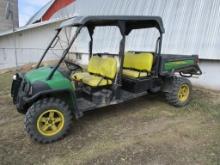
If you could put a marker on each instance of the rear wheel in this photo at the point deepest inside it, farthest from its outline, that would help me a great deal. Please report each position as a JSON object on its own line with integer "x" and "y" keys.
{"x": 180, "y": 91}
{"x": 48, "y": 120}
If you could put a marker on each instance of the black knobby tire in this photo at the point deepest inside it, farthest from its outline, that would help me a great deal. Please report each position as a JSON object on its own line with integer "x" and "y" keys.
{"x": 175, "y": 84}
{"x": 39, "y": 108}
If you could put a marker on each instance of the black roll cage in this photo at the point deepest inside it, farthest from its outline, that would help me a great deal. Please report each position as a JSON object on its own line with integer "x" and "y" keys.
{"x": 125, "y": 24}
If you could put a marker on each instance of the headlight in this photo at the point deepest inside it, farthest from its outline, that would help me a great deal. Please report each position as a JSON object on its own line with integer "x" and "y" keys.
{"x": 14, "y": 77}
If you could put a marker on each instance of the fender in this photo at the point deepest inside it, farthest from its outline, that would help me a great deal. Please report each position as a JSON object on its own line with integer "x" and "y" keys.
{"x": 46, "y": 92}
{"x": 71, "y": 98}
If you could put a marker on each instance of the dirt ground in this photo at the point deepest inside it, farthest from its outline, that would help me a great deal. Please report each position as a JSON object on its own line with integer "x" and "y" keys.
{"x": 143, "y": 131}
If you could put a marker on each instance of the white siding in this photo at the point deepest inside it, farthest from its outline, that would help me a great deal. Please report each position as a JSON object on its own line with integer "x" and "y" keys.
{"x": 192, "y": 26}
{"x": 209, "y": 79}
{"x": 29, "y": 44}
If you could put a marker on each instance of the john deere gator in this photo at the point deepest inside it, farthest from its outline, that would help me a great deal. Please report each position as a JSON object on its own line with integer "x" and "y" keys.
{"x": 51, "y": 96}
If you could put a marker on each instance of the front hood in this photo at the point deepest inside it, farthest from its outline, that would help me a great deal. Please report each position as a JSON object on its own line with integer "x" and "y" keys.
{"x": 41, "y": 74}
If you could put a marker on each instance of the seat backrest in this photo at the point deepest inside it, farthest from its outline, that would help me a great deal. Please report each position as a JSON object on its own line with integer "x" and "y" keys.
{"x": 103, "y": 66}
{"x": 138, "y": 61}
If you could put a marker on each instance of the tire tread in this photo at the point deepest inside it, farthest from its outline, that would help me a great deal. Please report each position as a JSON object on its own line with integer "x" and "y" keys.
{"x": 171, "y": 96}
{"x": 30, "y": 119}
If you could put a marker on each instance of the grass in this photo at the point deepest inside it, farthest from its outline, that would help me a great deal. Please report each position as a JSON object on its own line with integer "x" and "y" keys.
{"x": 144, "y": 131}
{"x": 5, "y": 83}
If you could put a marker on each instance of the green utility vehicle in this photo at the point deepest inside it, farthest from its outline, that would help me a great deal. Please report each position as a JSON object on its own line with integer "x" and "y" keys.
{"x": 50, "y": 97}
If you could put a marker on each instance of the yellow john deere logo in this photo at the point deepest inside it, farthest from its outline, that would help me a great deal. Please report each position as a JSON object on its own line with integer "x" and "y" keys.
{"x": 179, "y": 62}
{"x": 176, "y": 64}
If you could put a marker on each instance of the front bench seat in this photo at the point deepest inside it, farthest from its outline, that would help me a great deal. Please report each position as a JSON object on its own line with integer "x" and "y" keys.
{"x": 137, "y": 65}
{"x": 101, "y": 72}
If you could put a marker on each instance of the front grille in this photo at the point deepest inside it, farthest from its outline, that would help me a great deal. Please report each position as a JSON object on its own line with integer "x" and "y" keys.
{"x": 15, "y": 87}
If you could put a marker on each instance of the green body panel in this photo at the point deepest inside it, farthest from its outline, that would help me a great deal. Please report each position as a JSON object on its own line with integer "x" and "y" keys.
{"x": 58, "y": 81}
{"x": 172, "y": 65}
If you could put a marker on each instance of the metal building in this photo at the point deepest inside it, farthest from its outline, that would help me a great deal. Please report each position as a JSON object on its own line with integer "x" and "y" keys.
{"x": 192, "y": 27}
{"x": 10, "y": 8}
{"x": 54, "y": 10}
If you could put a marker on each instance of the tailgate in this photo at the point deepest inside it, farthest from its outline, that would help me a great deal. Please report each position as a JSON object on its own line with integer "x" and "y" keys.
{"x": 185, "y": 65}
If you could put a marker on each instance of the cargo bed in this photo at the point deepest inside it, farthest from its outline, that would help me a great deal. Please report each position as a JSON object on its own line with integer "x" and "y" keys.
{"x": 186, "y": 65}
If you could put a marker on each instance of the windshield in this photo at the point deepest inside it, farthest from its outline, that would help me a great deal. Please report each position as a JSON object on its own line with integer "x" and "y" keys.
{"x": 61, "y": 45}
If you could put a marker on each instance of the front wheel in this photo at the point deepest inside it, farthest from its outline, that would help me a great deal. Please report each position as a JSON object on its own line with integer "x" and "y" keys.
{"x": 180, "y": 91}
{"x": 48, "y": 120}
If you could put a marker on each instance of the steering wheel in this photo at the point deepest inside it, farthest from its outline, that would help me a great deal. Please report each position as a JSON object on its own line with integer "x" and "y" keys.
{"x": 72, "y": 66}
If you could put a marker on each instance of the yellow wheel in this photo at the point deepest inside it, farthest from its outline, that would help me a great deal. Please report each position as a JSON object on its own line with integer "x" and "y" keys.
{"x": 50, "y": 122}
{"x": 183, "y": 93}
{"x": 178, "y": 92}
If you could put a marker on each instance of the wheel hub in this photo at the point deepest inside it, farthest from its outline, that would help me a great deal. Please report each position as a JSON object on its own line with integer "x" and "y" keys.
{"x": 50, "y": 122}
{"x": 183, "y": 93}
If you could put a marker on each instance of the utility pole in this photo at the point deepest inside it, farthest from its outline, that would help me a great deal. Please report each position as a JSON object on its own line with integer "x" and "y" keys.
{"x": 10, "y": 15}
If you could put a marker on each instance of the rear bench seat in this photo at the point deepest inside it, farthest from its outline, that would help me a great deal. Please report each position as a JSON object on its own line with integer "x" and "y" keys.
{"x": 101, "y": 71}
{"x": 137, "y": 65}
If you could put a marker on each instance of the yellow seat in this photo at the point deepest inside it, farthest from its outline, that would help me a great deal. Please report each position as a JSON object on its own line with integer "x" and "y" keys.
{"x": 80, "y": 75}
{"x": 133, "y": 73}
{"x": 94, "y": 81}
{"x": 137, "y": 65}
{"x": 101, "y": 72}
